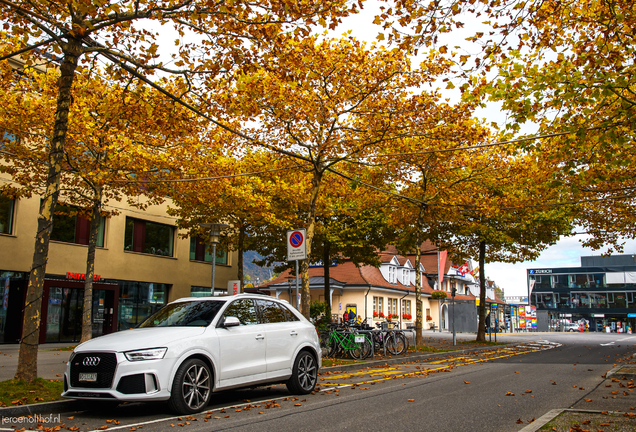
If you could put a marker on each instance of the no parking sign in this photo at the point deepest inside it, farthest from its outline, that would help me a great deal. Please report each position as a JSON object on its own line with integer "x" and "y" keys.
{"x": 296, "y": 245}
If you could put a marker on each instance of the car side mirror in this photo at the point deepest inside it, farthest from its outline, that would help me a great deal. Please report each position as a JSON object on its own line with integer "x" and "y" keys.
{"x": 230, "y": 321}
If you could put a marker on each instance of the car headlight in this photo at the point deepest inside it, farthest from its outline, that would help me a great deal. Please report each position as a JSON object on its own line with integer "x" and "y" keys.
{"x": 146, "y": 354}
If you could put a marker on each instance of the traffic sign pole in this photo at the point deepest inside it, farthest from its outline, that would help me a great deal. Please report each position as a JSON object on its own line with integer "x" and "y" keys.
{"x": 296, "y": 251}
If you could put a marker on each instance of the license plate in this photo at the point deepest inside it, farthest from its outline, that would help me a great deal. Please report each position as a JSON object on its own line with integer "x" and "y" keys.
{"x": 359, "y": 339}
{"x": 91, "y": 377}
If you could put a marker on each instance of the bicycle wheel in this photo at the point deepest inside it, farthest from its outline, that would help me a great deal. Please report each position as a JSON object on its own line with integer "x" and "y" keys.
{"x": 396, "y": 343}
{"x": 367, "y": 348}
{"x": 357, "y": 350}
{"x": 332, "y": 345}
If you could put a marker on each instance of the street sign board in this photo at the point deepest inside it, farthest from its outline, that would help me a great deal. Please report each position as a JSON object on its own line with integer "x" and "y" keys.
{"x": 234, "y": 287}
{"x": 631, "y": 315}
{"x": 296, "y": 245}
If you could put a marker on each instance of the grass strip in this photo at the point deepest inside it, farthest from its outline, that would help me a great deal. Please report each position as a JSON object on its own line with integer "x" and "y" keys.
{"x": 14, "y": 392}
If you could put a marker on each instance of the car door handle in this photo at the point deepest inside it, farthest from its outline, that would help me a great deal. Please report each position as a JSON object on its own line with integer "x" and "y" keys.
{"x": 260, "y": 337}
{"x": 293, "y": 333}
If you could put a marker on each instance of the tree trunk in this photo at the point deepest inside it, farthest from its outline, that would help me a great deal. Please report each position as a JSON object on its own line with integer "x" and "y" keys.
{"x": 419, "y": 318}
{"x": 87, "y": 311}
{"x": 28, "y": 356}
{"x": 326, "y": 261}
{"x": 241, "y": 247}
{"x": 481, "y": 330}
{"x": 305, "y": 297}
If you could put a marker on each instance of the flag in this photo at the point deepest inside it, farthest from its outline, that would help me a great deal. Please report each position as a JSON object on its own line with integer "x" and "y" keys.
{"x": 475, "y": 272}
{"x": 441, "y": 266}
{"x": 463, "y": 269}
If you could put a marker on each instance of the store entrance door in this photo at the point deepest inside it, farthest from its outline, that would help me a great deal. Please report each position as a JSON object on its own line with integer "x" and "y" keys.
{"x": 63, "y": 307}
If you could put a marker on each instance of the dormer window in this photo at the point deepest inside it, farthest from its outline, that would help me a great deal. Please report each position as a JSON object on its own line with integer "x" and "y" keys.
{"x": 392, "y": 274}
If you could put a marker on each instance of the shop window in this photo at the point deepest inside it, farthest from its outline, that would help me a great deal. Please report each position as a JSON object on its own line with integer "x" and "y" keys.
{"x": 541, "y": 282}
{"x": 70, "y": 227}
{"x": 199, "y": 251}
{"x": 148, "y": 237}
{"x": 6, "y": 215}
{"x": 560, "y": 281}
{"x": 564, "y": 301}
{"x": 198, "y": 291}
{"x": 619, "y": 300}
{"x": 598, "y": 300}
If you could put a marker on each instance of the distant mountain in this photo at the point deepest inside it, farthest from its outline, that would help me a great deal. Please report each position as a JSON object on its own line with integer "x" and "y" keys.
{"x": 254, "y": 271}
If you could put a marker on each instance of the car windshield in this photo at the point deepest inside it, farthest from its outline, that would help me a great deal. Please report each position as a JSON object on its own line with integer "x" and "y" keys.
{"x": 189, "y": 313}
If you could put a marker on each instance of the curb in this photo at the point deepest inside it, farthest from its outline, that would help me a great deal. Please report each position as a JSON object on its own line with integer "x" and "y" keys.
{"x": 32, "y": 409}
{"x": 547, "y": 417}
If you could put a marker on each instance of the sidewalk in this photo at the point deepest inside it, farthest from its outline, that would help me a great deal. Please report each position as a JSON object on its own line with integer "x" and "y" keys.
{"x": 51, "y": 361}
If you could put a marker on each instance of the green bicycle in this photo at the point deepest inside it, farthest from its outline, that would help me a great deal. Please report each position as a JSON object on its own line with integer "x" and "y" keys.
{"x": 343, "y": 341}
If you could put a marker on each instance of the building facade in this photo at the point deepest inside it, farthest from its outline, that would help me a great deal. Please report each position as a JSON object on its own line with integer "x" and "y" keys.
{"x": 602, "y": 292}
{"x": 389, "y": 290}
{"x": 141, "y": 263}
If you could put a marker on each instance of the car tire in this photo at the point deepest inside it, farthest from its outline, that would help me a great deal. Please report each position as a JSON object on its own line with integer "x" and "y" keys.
{"x": 304, "y": 375}
{"x": 191, "y": 387}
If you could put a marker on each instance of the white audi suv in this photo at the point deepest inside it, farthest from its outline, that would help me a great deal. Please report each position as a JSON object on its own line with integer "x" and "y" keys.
{"x": 195, "y": 346}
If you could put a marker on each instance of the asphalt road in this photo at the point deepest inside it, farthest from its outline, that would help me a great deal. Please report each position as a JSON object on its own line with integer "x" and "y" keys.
{"x": 493, "y": 392}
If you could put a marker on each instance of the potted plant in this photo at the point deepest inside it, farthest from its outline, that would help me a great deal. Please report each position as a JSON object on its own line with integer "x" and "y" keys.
{"x": 437, "y": 295}
{"x": 429, "y": 318}
{"x": 407, "y": 317}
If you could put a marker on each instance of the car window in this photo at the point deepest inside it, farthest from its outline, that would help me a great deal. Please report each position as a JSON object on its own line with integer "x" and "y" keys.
{"x": 270, "y": 312}
{"x": 191, "y": 313}
{"x": 289, "y": 315}
{"x": 244, "y": 310}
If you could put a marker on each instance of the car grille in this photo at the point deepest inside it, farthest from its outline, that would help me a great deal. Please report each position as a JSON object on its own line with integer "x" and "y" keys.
{"x": 132, "y": 384}
{"x": 88, "y": 363}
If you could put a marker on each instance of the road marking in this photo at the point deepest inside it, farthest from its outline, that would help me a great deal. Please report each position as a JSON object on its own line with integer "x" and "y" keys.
{"x": 608, "y": 344}
{"x": 345, "y": 375}
{"x": 451, "y": 362}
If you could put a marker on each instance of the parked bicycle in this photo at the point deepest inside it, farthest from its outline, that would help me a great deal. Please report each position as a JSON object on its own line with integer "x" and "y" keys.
{"x": 393, "y": 339}
{"x": 344, "y": 340}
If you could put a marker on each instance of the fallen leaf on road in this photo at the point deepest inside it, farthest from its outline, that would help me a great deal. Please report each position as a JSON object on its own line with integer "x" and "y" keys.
{"x": 298, "y": 404}
{"x": 510, "y": 394}
{"x": 466, "y": 382}
{"x": 519, "y": 421}
{"x": 587, "y": 400}
{"x": 528, "y": 391}
{"x": 411, "y": 400}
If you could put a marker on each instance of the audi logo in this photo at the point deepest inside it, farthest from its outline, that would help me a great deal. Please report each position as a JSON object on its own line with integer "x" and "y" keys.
{"x": 91, "y": 361}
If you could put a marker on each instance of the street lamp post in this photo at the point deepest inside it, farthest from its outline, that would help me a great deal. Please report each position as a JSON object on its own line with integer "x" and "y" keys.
{"x": 215, "y": 233}
{"x": 453, "y": 292}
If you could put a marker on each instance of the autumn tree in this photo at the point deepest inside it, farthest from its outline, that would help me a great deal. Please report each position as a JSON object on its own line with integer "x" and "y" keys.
{"x": 246, "y": 191}
{"x": 325, "y": 101}
{"x": 75, "y": 33}
{"x": 352, "y": 223}
{"x": 430, "y": 172}
{"x": 562, "y": 69}
{"x": 115, "y": 132}
{"x": 506, "y": 215}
